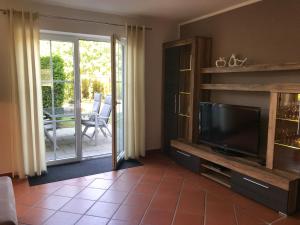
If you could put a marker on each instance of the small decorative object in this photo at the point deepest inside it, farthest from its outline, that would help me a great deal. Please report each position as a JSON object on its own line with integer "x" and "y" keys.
{"x": 234, "y": 61}
{"x": 221, "y": 62}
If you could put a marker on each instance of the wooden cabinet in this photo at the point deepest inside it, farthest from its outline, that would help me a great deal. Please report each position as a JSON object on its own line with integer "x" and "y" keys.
{"x": 273, "y": 188}
{"x": 287, "y": 132}
{"x": 182, "y": 60}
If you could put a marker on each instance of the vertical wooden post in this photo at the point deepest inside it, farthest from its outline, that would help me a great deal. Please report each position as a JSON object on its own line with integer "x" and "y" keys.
{"x": 271, "y": 129}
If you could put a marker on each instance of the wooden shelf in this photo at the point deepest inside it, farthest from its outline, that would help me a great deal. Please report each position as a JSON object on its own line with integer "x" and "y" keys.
{"x": 287, "y": 87}
{"x": 252, "y": 68}
{"x": 185, "y": 70}
{"x": 218, "y": 178}
{"x": 184, "y": 115}
{"x": 287, "y": 146}
{"x": 216, "y": 170}
{"x": 274, "y": 177}
{"x": 184, "y": 93}
{"x": 289, "y": 120}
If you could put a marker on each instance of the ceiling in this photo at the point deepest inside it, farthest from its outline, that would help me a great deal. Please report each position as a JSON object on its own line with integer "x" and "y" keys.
{"x": 178, "y": 10}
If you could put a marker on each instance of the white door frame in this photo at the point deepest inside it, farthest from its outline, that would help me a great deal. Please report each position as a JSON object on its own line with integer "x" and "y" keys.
{"x": 73, "y": 38}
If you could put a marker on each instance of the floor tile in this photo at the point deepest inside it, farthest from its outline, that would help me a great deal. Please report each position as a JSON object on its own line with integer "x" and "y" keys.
{"x": 79, "y": 206}
{"x": 192, "y": 202}
{"x": 188, "y": 219}
{"x": 36, "y": 216}
{"x": 101, "y": 183}
{"x": 130, "y": 177}
{"x": 245, "y": 219}
{"x": 140, "y": 200}
{"x": 90, "y": 194}
{"x": 22, "y": 209}
{"x": 103, "y": 209}
{"x": 164, "y": 203}
{"x": 129, "y": 213}
{"x": 120, "y": 185}
{"x": 31, "y": 198}
{"x": 145, "y": 188}
{"x": 63, "y": 218}
{"x": 113, "y": 196}
{"x": 168, "y": 190}
{"x": 158, "y": 217}
{"x": 261, "y": 212}
{"x": 68, "y": 191}
{"x": 53, "y": 202}
{"x": 48, "y": 188}
{"x": 92, "y": 220}
{"x": 119, "y": 222}
{"x": 219, "y": 210}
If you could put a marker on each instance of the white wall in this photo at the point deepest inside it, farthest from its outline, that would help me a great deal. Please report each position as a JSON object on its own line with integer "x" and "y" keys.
{"x": 162, "y": 31}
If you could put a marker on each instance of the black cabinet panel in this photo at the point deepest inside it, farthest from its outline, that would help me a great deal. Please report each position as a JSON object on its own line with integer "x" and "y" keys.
{"x": 171, "y": 85}
{"x": 260, "y": 191}
{"x": 187, "y": 160}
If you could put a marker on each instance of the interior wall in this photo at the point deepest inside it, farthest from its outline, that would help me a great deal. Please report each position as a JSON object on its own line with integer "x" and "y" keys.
{"x": 163, "y": 31}
{"x": 265, "y": 32}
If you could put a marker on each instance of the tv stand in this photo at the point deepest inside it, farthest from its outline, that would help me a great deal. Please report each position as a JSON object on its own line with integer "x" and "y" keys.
{"x": 273, "y": 188}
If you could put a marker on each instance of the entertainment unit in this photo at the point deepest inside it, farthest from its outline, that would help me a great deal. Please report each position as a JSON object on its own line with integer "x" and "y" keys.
{"x": 188, "y": 81}
{"x": 274, "y": 188}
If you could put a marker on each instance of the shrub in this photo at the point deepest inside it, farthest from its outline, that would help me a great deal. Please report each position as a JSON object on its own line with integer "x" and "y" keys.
{"x": 97, "y": 87}
{"x": 58, "y": 75}
{"x": 85, "y": 84}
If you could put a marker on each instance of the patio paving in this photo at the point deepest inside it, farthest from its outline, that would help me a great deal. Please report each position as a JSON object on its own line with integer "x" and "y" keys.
{"x": 66, "y": 145}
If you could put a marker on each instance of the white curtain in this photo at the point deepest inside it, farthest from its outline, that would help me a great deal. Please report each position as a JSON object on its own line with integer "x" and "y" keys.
{"x": 28, "y": 151}
{"x": 135, "y": 93}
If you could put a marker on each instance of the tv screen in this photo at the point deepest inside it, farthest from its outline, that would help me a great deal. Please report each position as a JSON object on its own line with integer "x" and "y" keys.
{"x": 230, "y": 127}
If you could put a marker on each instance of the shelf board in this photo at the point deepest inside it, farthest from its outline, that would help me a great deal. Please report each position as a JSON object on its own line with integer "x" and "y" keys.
{"x": 185, "y": 70}
{"x": 184, "y": 93}
{"x": 252, "y": 68}
{"x": 289, "y": 120}
{"x": 287, "y": 146}
{"x": 217, "y": 178}
{"x": 216, "y": 170}
{"x": 285, "y": 87}
{"x": 183, "y": 115}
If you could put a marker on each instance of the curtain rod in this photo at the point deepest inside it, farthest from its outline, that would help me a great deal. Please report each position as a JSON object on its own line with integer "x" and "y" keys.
{"x": 6, "y": 11}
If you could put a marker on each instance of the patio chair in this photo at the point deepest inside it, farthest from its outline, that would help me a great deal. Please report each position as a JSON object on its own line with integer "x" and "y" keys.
{"x": 100, "y": 121}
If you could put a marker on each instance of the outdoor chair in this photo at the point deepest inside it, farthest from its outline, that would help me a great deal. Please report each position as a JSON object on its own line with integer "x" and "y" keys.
{"x": 100, "y": 121}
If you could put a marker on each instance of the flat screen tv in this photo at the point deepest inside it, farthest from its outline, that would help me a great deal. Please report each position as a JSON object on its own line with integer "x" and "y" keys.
{"x": 231, "y": 128}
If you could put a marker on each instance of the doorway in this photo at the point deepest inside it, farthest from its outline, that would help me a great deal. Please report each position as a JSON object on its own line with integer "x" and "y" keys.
{"x": 82, "y": 92}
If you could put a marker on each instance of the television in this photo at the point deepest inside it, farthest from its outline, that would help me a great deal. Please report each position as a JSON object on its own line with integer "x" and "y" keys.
{"x": 231, "y": 128}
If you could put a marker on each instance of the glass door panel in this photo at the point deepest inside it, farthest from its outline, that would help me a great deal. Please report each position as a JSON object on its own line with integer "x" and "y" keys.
{"x": 118, "y": 69}
{"x": 95, "y": 79}
{"x": 57, "y": 71}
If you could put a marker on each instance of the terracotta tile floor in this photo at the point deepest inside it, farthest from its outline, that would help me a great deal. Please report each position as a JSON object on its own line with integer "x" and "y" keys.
{"x": 158, "y": 193}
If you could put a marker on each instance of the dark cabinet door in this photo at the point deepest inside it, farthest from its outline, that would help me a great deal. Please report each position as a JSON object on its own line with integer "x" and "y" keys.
{"x": 171, "y": 86}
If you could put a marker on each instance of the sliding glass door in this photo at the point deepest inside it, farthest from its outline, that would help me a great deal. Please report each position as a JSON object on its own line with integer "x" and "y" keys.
{"x": 83, "y": 97}
{"x": 59, "y": 100}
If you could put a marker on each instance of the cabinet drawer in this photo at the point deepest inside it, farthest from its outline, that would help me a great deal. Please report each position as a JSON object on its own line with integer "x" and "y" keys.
{"x": 187, "y": 160}
{"x": 259, "y": 191}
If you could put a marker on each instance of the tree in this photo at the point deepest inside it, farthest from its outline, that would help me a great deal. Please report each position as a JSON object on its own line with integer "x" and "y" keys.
{"x": 58, "y": 76}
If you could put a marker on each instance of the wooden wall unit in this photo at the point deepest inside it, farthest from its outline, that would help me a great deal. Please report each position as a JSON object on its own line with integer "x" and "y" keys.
{"x": 263, "y": 183}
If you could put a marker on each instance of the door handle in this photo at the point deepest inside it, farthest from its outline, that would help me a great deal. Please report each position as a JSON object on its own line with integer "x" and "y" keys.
{"x": 254, "y": 182}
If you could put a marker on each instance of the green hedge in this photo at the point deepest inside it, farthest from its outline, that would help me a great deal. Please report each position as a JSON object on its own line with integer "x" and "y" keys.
{"x": 58, "y": 74}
